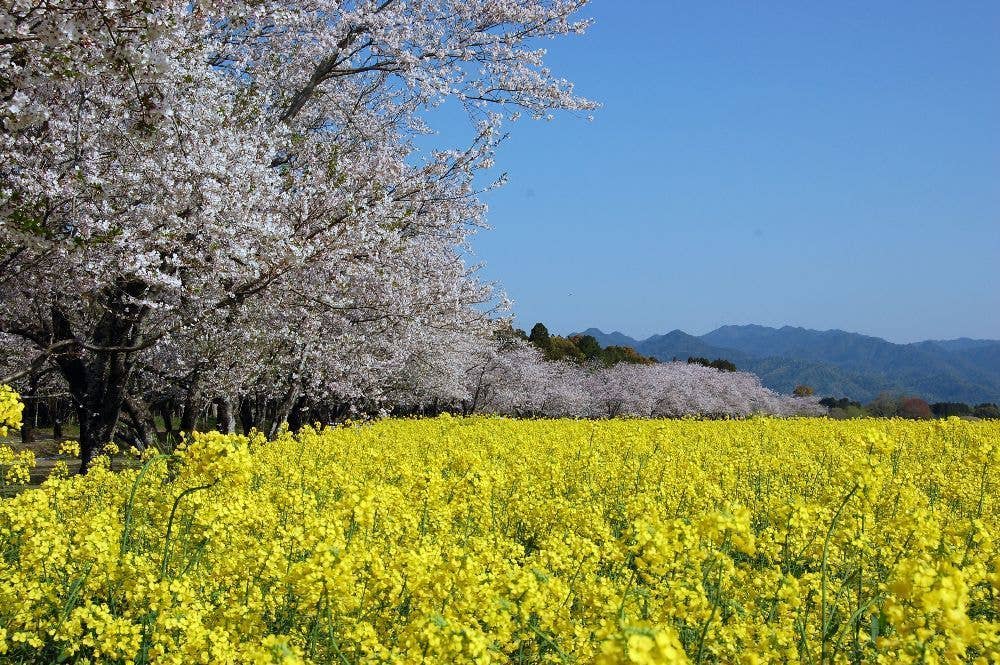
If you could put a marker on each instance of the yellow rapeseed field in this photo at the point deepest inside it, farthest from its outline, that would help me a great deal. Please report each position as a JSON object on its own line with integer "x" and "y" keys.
{"x": 490, "y": 540}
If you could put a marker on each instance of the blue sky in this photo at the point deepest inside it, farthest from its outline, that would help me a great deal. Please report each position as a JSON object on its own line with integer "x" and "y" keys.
{"x": 830, "y": 165}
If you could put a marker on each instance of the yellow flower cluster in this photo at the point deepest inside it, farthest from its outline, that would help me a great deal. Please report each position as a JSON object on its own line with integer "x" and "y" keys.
{"x": 10, "y": 410}
{"x": 70, "y": 447}
{"x": 15, "y": 465}
{"x": 498, "y": 541}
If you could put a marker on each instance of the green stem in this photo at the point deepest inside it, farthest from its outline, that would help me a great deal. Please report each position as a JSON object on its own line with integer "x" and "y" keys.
{"x": 170, "y": 523}
{"x": 823, "y": 566}
{"x": 130, "y": 506}
{"x": 628, "y": 587}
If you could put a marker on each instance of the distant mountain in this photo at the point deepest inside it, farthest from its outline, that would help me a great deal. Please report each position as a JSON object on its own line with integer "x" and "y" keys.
{"x": 675, "y": 344}
{"x": 678, "y": 344}
{"x": 962, "y": 343}
{"x": 839, "y": 363}
{"x": 923, "y": 369}
{"x": 608, "y": 339}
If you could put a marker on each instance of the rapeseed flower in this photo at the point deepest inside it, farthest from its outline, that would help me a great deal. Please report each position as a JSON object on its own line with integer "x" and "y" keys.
{"x": 499, "y": 541}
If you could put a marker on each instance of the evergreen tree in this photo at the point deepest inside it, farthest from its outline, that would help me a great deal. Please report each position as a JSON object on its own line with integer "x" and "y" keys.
{"x": 540, "y": 336}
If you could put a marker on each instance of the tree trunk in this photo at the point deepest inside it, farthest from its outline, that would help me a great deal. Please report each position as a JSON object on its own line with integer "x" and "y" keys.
{"x": 295, "y": 416}
{"x": 225, "y": 419}
{"x": 97, "y": 373}
{"x": 30, "y": 414}
{"x": 166, "y": 409}
{"x": 283, "y": 409}
{"x": 142, "y": 420}
{"x": 99, "y": 394}
{"x": 192, "y": 405}
{"x": 57, "y": 414}
{"x": 246, "y": 415}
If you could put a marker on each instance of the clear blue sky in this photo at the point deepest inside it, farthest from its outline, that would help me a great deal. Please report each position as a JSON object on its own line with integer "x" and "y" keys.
{"x": 829, "y": 165}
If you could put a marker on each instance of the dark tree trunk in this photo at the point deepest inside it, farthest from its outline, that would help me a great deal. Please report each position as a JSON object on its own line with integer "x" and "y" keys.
{"x": 97, "y": 373}
{"x": 261, "y": 409}
{"x": 192, "y": 405}
{"x": 166, "y": 409}
{"x": 246, "y": 415}
{"x": 142, "y": 421}
{"x": 283, "y": 409}
{"x": 30, "y": 414}
{"x": 98, "y": 420}
{"x": 295, "y": 418}
{"x": 225, "y": 418}
{"x": 340, "y": 412}
{"x": 57, "y": 415}
{"x": 267, "y": 411}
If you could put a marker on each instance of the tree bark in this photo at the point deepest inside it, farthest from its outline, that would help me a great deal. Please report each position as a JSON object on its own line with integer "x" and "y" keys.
{"x": 284, "y": 408}
{"x": 192, "y": 405}
{"x": 248, "y": 417}
{"x": 98, "y": 419}
{"x": 226, "y": 419}
{"x": 295, "y": 416}
{"x": 166, "y": 409}
{"x": 30, "y": 399}
{"x": 142, "y": 420}
{"x": 57, "y": 414}
{"x": 98, "y": 372}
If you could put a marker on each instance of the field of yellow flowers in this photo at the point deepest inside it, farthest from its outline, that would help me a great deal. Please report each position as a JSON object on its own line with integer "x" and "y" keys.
{"x": 498, "y": 541}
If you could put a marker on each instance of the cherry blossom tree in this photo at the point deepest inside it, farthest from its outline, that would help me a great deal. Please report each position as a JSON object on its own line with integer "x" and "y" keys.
{"x": 189, "y": 188}
{"x": 512, "y": 377}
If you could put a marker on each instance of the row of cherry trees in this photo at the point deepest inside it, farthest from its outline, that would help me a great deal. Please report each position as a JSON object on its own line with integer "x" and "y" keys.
{"x": 511, "y": 377}
{"x": 202, "y": 201}
{"x": 221, "y": 207}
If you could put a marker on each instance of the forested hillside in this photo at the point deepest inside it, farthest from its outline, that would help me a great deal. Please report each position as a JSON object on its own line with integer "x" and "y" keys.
{"x": 835, "y": 362}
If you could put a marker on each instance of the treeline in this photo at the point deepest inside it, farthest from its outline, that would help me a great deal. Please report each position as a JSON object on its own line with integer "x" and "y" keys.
{"x": 161, "y": 418}
{"x": 501, "y": 371}
{"x": 889, "y": 405}
{"x": 580, "y": 348}
{"x": 720, "y": 364}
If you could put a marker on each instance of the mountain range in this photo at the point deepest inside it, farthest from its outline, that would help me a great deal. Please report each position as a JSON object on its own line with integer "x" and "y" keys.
{"x": 838, "y": 363}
